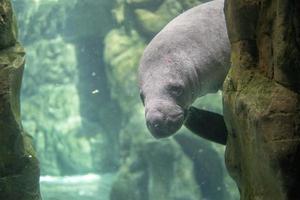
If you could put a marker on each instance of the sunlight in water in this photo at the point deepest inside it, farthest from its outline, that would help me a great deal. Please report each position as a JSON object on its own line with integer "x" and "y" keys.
{"x": 88, "y": 178}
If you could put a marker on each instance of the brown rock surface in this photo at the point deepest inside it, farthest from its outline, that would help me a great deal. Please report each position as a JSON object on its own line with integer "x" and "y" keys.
{"x": 261, "y": 98}
{"x": 19, "y": 171}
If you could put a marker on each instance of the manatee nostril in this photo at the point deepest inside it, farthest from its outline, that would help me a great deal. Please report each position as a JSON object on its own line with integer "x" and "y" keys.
{"x": 163, "y": 124}
{"x": 155, "y": 121}
{"x": 154, "y": 124}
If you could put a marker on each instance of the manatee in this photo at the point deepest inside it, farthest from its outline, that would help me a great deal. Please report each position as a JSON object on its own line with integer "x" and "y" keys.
{"x": 207, "y": 124}
{"x": 187, "y": 59}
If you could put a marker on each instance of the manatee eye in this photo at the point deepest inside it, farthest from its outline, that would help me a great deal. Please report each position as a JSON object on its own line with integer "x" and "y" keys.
{"x": 142, "y": 96}
{"x": 176, "y": 90}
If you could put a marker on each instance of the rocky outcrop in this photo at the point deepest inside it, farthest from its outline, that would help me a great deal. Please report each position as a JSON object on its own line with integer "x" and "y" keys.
{"x": 261, "y": 98}
{"x": 160, "y": 171}
{"x": 149, "y": 17}
{"x": 19, "y": 169}
{"x": 208, "y": 170}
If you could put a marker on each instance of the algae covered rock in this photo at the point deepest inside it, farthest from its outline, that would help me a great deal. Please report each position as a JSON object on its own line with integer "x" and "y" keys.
{"x": 261, "y": 98}
{"x": 19, "y": 169}
{"x": 121, "y": 55}
{"x": 40, "y": 20}
{"x": 171, "y": 172}
{"x": 54, "y": 126}
{"x": 150, "y": 21}
{"x": 149, "y": 17}
{"x": 161, "y": 171}
{"x": 8, "y": 25}
{"x": 208, "y": 170}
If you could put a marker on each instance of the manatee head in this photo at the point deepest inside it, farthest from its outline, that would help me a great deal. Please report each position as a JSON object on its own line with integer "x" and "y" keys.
{"x": 166, "y": 94}
{"x": 164, "y": 110}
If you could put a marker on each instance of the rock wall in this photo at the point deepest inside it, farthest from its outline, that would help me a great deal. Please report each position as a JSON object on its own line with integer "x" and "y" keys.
{"x": 261, "y": 98}
{"x": 19, "y": 169}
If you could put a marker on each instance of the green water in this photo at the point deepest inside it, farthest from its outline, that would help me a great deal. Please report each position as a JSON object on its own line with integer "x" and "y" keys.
{"x": 80, "y": 102}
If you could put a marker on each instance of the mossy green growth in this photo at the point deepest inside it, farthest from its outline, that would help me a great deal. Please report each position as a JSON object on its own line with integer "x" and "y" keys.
{"x": 8, "y": 25}
{"x": 151, "y": 21}
{"x": 122, "y": 54}
{"x": 53, "y": 126}
{"x": 19, "y": 169}
{"x": 11, "y": 68}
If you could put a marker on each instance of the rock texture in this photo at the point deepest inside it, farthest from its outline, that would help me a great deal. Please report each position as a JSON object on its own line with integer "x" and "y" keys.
{"x": 261, "y": 98}
{"x": 19, "y": 169}
{"x": 49, "y": 94}
{"x": 161, "y": 171}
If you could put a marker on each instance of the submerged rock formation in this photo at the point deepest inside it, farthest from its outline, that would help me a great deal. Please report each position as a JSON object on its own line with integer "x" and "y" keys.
{"x": 86, "y": 25}
{"x": 65, "y": 90}
{"x": 19, "y": 169}
{"x": 161, "y": 171}
{"x": 262, "y": 100}
{"x": 49, "y": 95}
{"x": 208, "y": 170}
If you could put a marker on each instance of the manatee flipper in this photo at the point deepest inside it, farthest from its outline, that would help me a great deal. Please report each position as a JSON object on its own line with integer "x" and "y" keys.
{"x": 207, "y": 124}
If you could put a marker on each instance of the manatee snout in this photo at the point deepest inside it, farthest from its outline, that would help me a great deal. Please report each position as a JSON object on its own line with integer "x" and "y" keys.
{"x": 164, "y": 120}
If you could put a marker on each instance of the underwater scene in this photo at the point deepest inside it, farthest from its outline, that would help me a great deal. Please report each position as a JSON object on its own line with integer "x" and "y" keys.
{"x": 149, "y": 100}
{"x": 81, "y": 106}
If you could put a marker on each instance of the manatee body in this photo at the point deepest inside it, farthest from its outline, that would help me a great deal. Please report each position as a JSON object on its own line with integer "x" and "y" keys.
{"x": 189, "y": 58}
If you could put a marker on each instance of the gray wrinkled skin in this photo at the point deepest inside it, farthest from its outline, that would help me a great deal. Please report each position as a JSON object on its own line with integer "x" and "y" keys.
{"x": 187, "y": 59}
